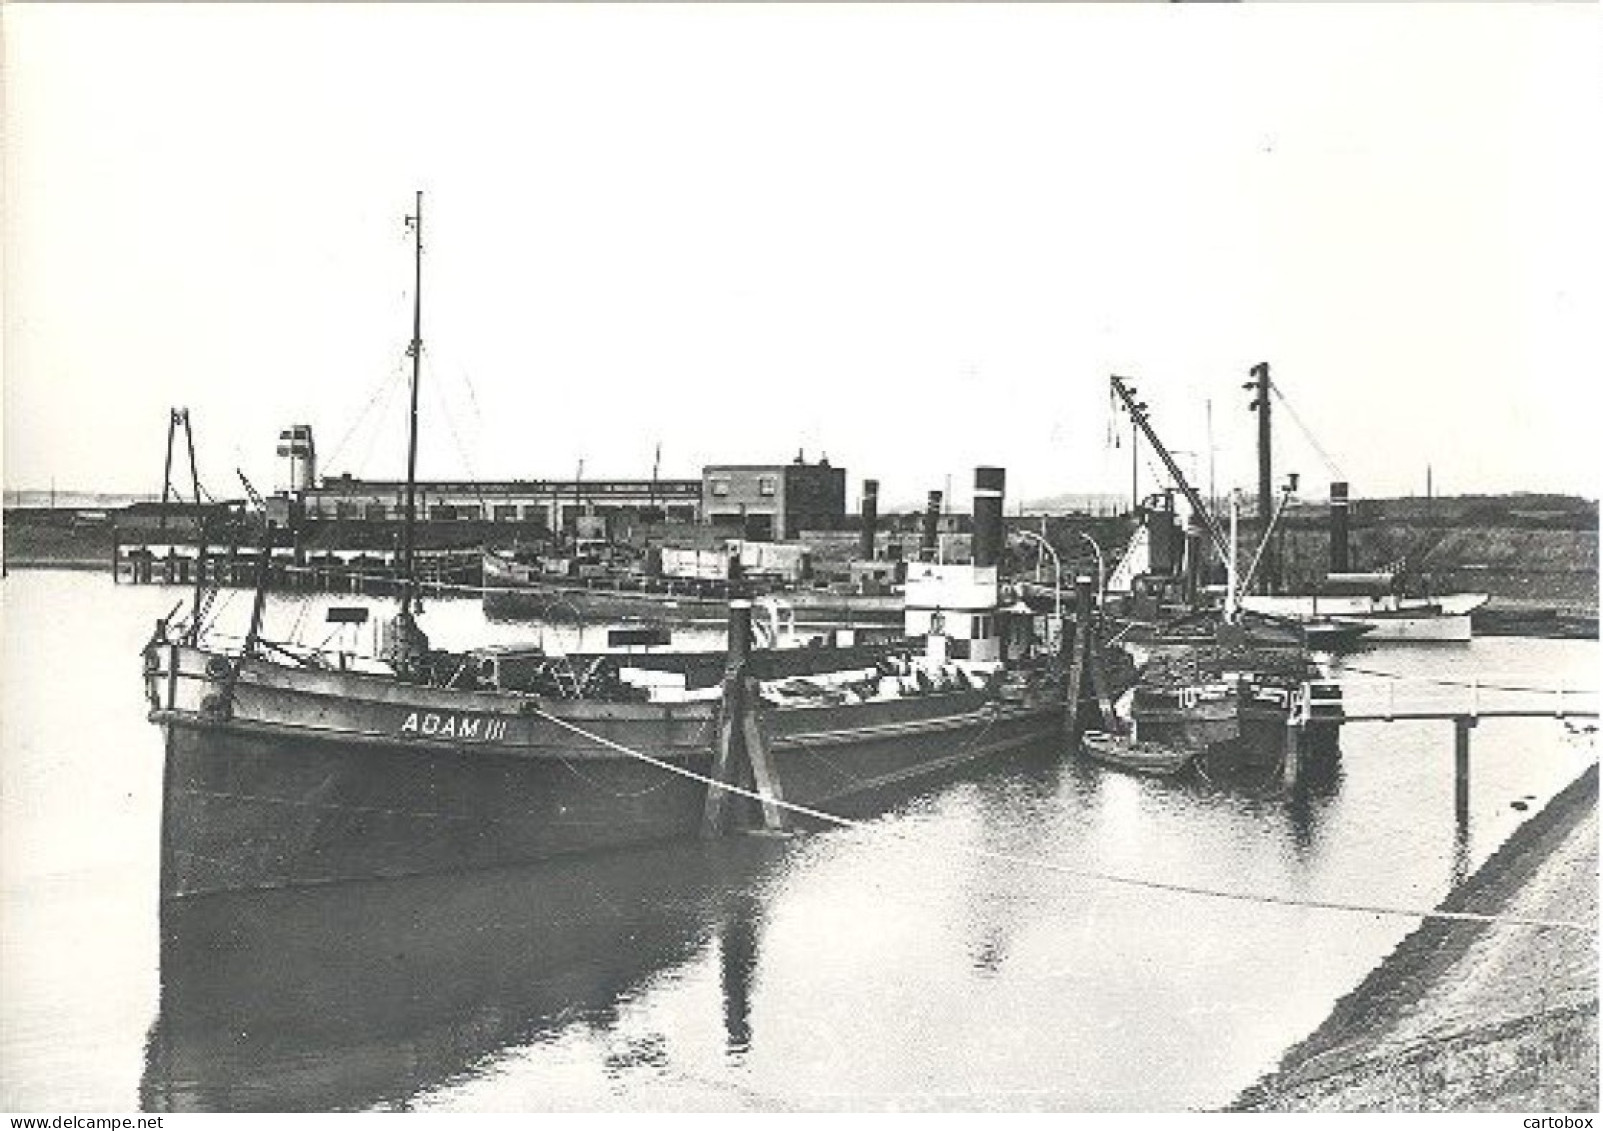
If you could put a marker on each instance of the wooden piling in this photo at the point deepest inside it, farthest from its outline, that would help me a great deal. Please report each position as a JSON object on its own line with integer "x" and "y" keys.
{"x": 764, "y": 773}
{"x": 723, "y": 771}
{"x": 1100, "y": 689}
{"x": 1291, "y": 768}
{"x": 1080, "y": 659}
{"x": 731, "y": 738}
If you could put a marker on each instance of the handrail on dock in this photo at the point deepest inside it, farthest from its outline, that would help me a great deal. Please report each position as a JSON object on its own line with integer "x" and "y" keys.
{"x": 1471, "y": 699}
{"x": 1328, "y": 702}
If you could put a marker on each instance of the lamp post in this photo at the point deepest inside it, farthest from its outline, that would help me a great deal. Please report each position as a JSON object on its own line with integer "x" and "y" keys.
{"x": 1101, "y": 569}
{"x": 1057, "y": 582}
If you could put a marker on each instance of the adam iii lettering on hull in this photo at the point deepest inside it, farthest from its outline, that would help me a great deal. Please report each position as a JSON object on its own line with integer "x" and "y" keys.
{"x": 433, "y": 725}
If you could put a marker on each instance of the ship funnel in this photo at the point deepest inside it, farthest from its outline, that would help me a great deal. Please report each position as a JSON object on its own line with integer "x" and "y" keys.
{"x": 932, "y": 521}
{"x": 865, "y": 547}
{"x": 988, "y": 489}
{"x": 1340, "y": 559}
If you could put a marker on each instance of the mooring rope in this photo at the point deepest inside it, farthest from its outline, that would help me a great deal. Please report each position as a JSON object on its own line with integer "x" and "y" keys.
{"x": 1080, "y": 873}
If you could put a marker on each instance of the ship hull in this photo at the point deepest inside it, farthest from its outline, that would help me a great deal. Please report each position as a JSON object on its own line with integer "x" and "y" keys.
{"x": 305, "y": 777}
{"x": 1442, "y": 628}
{"x": 1244, "y": 726}
{"x": 1440, "y": 619}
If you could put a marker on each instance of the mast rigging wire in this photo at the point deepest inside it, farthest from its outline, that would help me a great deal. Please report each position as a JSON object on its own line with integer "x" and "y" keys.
{"x": 385, "y": 388}
{"x": 1330, "y": 464}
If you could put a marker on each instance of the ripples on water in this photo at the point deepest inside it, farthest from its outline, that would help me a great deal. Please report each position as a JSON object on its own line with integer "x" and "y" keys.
{"x": 910, "y": 962}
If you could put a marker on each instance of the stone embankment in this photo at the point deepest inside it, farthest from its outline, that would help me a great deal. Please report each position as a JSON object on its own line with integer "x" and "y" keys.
{"x": 1474, "y": 1016}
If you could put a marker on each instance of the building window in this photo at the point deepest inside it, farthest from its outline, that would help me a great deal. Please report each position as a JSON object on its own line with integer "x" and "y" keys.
{"x": 375, "y": 512}
{"x": 720, "y": 488}
{"x": 344, "y": 510}
{"x": 534, "y": 514}
{"x": 506, "y": 514}
{"x": 442, "y": 511}
{"x": 767, "y": 485}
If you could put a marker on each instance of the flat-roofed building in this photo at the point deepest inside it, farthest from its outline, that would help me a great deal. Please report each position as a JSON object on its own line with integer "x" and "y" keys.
{"x": 774, "y": 501}
{"x": 554, "y": 503}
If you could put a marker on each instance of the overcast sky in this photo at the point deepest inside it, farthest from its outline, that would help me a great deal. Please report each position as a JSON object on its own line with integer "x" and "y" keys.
{"x": 915, "y": 239}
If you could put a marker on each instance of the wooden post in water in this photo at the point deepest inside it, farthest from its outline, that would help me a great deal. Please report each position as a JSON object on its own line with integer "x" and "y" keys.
{"x": 1462, "y": 725}
{"x": 1291, "y": 766}
{"x": 731, "y": 719}
{"x": 1094, "y": 666}
{"x": 741, "y": 744}
{"x": 761, "y": 759}
{"x": 1079, "y": 661}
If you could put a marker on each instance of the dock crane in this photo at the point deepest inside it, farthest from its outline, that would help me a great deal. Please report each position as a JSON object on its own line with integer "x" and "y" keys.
{"x": 1138, "y": 413}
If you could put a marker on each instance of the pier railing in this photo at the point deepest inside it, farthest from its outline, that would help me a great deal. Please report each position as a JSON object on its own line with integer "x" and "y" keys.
{"x": 1401, "y": 698}
{"x": 1463, "y": 701}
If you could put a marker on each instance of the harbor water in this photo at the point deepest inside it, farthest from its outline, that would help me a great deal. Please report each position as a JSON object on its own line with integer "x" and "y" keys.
{"x": 975, "y": 947}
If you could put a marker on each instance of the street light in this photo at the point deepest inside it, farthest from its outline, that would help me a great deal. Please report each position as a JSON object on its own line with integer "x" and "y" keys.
{"x": 1101, "y": 569}
{"x": 1057, "y": 580}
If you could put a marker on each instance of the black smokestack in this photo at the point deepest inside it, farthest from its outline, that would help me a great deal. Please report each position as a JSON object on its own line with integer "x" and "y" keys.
{"x": 865, "y": 547}
{"x": 932, "y": 522}
{"x": 988, "y": 488}
{"x": 1340, "y": 561}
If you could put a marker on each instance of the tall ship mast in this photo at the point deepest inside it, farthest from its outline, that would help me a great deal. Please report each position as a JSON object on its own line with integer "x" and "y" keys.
{"x": 406, "y": 644}
{"x": 415, "y": 350}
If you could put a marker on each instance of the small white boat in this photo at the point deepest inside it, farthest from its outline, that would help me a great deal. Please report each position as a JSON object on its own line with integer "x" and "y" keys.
{"x": 1369, "y": 599}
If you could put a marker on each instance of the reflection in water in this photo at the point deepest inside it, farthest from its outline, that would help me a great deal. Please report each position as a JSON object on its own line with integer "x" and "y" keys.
{"x": 1305, "y": 802}
{"x": 1463, "y": 848}
{"x": 989, "y": 893}
{"x": 737, "y": 967}
{"x": 366, "y": 994}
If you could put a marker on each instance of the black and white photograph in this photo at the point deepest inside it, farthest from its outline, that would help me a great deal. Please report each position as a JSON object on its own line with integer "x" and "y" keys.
{"x": 800, "y": 558}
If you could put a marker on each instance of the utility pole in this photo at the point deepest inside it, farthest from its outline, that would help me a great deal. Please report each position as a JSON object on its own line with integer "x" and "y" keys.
{"x": 578, "y": 499}
{"x": 656, "y": 466}
{"x": 1259, "y": 385}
